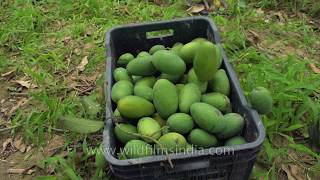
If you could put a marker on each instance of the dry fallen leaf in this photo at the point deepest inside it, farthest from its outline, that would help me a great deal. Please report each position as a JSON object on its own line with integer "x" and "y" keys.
{"x": 20, "y": 103}
{"x": 26, "y": 84}
{"x": 66, "y": 40}
{"x": 196, "y": 8}
{"x": 19, "y": 144}
{"x": 77, "y": 51}
{"x": 314, "y": 68}
{"x": 87, "y": 46}
{"x": 7, "y": 73}
{"x": 5, "y": 144}
{"x": 292, "y": 171}
{"x": 83, "y": 63}
{"x": 16, "y": 171}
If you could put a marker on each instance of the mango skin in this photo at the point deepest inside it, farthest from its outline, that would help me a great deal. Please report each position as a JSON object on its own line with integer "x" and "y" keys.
{"x": 192, "y": 78}
{"x": 261, "y": 100}
{"x": 202, "y": 139}
{"x": 176, "y": 47}
{"x": 146, "y": 81}
{"x": 217, "y": 100}
{"x": 156, "y": 48}
{"x": 188, "y": 95}
{"x": 220, "y": 83}
{"x": 143, "y": 91}
{"x": 237, "y": 140}
{"x": 180, "y": 122}
{"x": 207, "y": 117}
{"x": 149, "y": 127}
{"x": 135, "y": 78}
{"x": 168, "y": 62}
{"x": 172, "y": 78}
{"x": 159, "y": 119}
{"x": 123, "y": 130}
{"x": 179, "y": 87}
{"x": 135, "y": 107}
{"x": 188, "y": 51}
{"x": 143, "y": 53}
{"x": 234, "y": 124}
{"x": 121, "y": 89}
{"x": 165, "y": 98}
{"x": 121, "y": 74}
{"x": 124, "y": 59}
{"x": 137, "y": 149}
{"x": 171, "y": 142}
{"x": 207, "y": 61}
{"x": 141, "y": 66}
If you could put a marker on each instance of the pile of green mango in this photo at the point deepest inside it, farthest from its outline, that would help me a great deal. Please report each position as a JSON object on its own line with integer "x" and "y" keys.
{"x": 174, "y": 99}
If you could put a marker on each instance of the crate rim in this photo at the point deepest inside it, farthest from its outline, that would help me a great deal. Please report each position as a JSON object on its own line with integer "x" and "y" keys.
{"x": 205, "y": 152}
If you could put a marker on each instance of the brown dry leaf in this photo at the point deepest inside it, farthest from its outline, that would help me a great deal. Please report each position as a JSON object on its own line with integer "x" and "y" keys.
{"x": 7, "y": 73}
{"x": 26, "y": 84}
{"x": 20, "y": 103}
{"x": 292, "y": 171}
{"x": 5, "y": 144}
{"x": 314, "y": 68}
{"x": 259, "y": 11}
{"x": 196, "y": 8}
{"x": 66, "y": 40}
{"x": 53, "y": 144}
{"x": 83, "y": 63}
{"x": 19, "y": 144}
{"x": 87, "y": 46}
{"x": 77, "y": 51}
{"x": 16, "y": 171}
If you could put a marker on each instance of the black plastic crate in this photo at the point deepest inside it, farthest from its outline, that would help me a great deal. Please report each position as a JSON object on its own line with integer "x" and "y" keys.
{"x": 204, "y": 164}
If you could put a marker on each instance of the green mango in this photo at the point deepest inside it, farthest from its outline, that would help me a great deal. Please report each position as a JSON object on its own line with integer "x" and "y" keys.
{"x": 137, "y": 149}
{"x": 202, "y": 139}
{"x": 192, "y": 78}
{"x": 136, "y": 78}
{"x": 156, "y": 48}
{"x": 188, "y": 51}
{"x": 184, "y": 79}
{"x": 261, "y": 100}
{"x": 237, "y": 140}
{"x": 218, "y": 100}
{"x": 172, "y": 78}
{"x": 143, "y": 53}
{"x": 188, "y": 95}
{"x": 121, "y": 89}
{"x": 144, "y": 92}
{"x": 135, "y": 107}
{"x": 159, "y": 119}
{"x": 179, "y": 88}
{"x": 123, "y": 132}
{"x": 176, "y": 47}
{"x": 200, "y": 40}
{"x": 234, "y": 125}
{"x": 207, "y": 61}
{"x": 146, "y": 81}
{"x": 171, "y": 142}
{"x": 121, "y": 74}
{"x": 180, "y": 122}
{"x": 220, "y": 83}
{"x": 207, "y": 117}
{"x": 149, "y": 127}
{"x": 168, "y": 62}
{"x": 124, "y": 59}
{"x": 165, "y": 98}
{"x": 141, "y": 66}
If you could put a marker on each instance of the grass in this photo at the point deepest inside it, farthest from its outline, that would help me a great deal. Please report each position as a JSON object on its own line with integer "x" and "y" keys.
{"x": 45, "y": 41}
